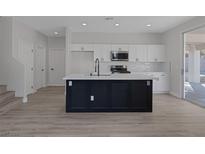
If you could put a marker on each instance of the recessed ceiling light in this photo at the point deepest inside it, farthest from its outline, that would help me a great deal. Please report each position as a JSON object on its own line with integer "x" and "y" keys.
{"x": 117, "y": 24}
{"x": 148, "y": 25}
{"x": 56, "y": 33}
{"x": 84, "y": 24}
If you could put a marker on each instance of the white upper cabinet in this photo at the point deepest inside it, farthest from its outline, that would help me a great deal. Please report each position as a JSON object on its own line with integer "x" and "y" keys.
{"x": 156, "y": 53}
{"x": 102, "y": 52}
{"x": 120, "y": 47}
{"x": 82, "y": 47}
{"x": 138, "y": 53}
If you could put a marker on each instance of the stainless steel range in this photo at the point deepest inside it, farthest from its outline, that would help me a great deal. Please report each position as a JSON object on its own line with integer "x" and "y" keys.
{"x": 119, "y": 69}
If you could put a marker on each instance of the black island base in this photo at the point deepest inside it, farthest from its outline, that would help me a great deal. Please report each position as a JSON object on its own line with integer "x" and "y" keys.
{"x": 108, "y": 95}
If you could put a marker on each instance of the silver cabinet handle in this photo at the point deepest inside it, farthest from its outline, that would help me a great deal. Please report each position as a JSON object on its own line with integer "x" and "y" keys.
{"x": 92, "y": 98}
{"x": 70, "y": 83}
{"x": 148, "y": 83}
{"x": 52, "y": 69}
{"x": 42, "y": 70}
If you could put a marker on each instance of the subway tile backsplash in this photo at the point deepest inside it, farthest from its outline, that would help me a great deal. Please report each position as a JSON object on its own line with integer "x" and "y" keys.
{"x": 137, "y": 66}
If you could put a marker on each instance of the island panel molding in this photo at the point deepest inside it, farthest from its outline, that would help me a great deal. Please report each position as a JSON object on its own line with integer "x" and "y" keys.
{"x": 108, "y": 95}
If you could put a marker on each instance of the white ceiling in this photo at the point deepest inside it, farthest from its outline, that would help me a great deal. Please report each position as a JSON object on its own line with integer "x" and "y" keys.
{"x": 128, "y": 24}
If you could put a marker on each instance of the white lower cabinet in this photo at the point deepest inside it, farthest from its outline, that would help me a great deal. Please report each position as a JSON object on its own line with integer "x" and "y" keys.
{"x": 160, "y": 82}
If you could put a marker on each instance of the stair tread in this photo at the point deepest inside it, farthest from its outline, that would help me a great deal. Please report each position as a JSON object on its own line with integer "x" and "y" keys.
{"x": 3, "y": 89}
{"x": 7, "y": 92}
{"x": 9, "y": 105}
{"x": 6, "y": 96}
{"x": 10, "y": 101}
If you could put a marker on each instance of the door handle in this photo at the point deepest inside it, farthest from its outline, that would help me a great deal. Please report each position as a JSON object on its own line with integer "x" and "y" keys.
{"x": 42, "y": 70}
{"x": 52, "y": 69}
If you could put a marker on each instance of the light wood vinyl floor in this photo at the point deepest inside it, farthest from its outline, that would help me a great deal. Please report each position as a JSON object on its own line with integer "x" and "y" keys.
{"x": 44, "y": 115}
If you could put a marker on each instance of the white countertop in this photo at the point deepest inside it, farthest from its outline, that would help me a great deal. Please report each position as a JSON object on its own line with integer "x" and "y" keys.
{"x": 110, "y": 77}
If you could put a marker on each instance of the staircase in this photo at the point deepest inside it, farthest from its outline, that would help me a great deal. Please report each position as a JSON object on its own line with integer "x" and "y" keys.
{"x": 8, "y": 100}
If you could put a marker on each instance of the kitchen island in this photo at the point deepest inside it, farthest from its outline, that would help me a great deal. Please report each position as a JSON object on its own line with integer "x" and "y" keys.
{"x": 108, "y": 93}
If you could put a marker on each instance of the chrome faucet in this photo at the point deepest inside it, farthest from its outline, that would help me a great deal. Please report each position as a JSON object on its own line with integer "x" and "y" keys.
{"x": 97, "y": 62}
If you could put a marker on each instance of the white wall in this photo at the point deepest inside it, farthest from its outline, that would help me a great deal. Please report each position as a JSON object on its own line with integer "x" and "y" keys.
{"x": 13, "y": 69}
{"x": 56, "y": 43}
{"x": 112, "y": 38}
{"x": 68, "y": 57}
{"x": 5, "y": 49}
{"x": 174, "y": 46}
{"x": 1, "y": 53}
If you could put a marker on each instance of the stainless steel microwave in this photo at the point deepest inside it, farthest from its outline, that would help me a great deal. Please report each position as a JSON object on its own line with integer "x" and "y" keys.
{"x": 119, "y": 55}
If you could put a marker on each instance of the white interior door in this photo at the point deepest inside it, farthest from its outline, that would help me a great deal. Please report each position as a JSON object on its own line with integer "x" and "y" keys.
{"x": 40, "y": 65}
{"x": 56, "y": 66}
{"x": 27, "y": 58}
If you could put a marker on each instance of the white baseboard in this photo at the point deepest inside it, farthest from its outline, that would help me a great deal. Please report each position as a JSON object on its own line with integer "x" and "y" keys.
{"x": 161, "y": 92}
{"x": 173, "y": 94}
{"x": 56, "y": 84}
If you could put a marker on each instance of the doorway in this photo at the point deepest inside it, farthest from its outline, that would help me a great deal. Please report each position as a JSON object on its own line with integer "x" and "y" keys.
{"x": 194, "y": 66}
{"x": 56, "y": 67}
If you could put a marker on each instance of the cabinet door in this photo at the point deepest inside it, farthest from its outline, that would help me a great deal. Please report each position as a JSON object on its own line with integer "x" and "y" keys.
{"x": 102, "y": 52}
{"x": 163, "y": 84}
{"x": 77, "y": 95}
{"x": 132, "y": 53}
{"x": 141, "y": 95}
{"x": 156, "y": 83}
{"x": 99, "y": 95}
{"x": 119, "y": 94}
{"x": 138, "y": 53}
{"x": 141, "y": 53}
{"x": 156, "y": 53}
{"x": 120, "y": 47}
